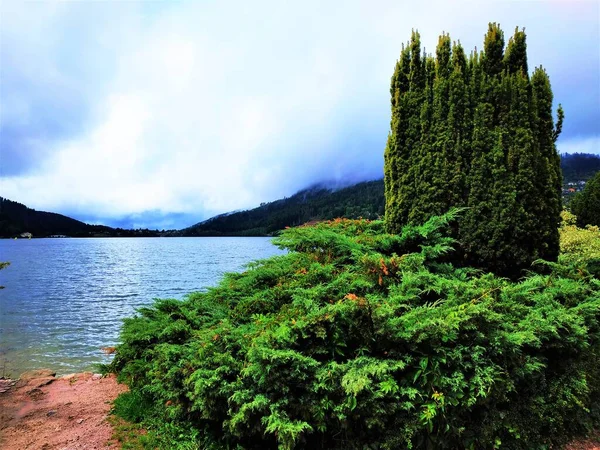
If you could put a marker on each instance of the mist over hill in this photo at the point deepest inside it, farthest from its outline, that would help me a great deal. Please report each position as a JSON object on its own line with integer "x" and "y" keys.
{"x": 320, "y": 201}
{"x": 325, "y": 201}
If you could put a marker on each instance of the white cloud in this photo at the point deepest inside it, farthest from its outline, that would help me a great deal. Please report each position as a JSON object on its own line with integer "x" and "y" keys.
{"x": 590, "y": 144}
{"x": 203, "y": 108}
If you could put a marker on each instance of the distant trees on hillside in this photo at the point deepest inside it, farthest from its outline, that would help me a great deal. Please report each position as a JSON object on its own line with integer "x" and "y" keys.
{"x": 579, "y": 166}
{"x": 16, "y": 218}
{"x": 361, "y": 200}
{"x": 476, "y": 131}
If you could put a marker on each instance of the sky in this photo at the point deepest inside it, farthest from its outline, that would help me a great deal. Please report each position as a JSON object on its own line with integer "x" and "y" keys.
{"x": 161, "y": 114}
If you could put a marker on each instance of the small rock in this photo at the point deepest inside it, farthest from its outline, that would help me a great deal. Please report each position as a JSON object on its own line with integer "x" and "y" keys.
{"x": 96, "y": 376}
{"x": 36, "y": 394}
{"x": 6, "y": 384}
{"x": 41, "y": 373}
{"x": 80, "y": 421}
{"x": 51, "y": 412}
{"x": 40, "y": 382}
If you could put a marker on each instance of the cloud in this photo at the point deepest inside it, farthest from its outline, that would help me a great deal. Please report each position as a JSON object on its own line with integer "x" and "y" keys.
{"x": 586, "y": 144}
{"x": 154, "y": 113}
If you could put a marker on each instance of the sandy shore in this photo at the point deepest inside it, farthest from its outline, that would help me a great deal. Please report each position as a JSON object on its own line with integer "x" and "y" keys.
{"x": 40, "y": 411}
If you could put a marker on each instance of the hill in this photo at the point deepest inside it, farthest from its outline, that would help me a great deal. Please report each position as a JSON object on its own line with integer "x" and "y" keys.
{"x": 361, "y": 200}
{"x": 317, "y": 203}
{"x": 579, "y": 166}
{"x": 16, "y": 218}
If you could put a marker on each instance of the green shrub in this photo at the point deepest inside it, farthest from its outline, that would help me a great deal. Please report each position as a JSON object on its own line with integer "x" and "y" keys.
{"x": 362, "y": 339}
{"x": 586, "y": 204}
{"x": 580, "y": 247}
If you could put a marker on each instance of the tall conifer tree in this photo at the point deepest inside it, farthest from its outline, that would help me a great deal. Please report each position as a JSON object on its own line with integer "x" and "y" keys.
{"x": 549, "y": 163}
{"x": 397, "y": 154}
{"x": 476, "y": 132}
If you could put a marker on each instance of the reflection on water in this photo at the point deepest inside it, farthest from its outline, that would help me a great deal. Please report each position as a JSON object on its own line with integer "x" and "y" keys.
{"x": 65, "y": 298}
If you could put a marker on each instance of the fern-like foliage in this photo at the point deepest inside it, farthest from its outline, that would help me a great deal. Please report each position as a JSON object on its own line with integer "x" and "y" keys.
{"x": 361, "y": 339}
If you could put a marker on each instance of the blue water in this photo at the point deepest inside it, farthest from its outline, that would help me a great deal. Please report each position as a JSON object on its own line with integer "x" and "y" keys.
{"x": 64, "y": 299}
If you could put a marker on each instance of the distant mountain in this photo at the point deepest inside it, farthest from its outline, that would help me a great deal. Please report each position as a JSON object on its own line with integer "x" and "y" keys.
{"x": 316, "y": 203}
{"x": 579, "y": 166}
{"x": 16, "y": 218}
{"x": 322, "y": 203}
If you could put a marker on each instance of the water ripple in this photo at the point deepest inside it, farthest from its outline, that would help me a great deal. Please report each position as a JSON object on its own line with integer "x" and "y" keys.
{"x": 66, "y": 298}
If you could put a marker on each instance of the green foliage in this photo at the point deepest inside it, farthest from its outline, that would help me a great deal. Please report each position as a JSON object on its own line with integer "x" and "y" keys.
{"x": 361, "y": 339}
{"x": 580, "y": 247}
{"x": 586, "y": 204}
{"x": 130, "y": 408}
{"x": 476, "y": 132}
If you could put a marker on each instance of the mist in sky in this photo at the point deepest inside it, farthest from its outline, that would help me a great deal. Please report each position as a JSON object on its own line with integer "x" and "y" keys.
{"x": 162, "y": 114}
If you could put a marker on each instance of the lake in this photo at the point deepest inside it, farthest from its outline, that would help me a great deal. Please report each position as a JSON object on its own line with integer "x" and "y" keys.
{"x": 64, "y": 299}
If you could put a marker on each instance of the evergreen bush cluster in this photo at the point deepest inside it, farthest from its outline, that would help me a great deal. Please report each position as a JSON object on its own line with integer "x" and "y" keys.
{"x": 580, "y": 247}
{"x": 361, "y": 339}
{"x": 586, "y": 204}
{"x": 476, "y": 131}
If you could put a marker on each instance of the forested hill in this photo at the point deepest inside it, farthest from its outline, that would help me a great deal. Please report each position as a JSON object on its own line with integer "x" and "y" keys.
{"x": 361, "y": 200}
{"x": 579, "y": 166}
{"x": 16, "y": 218}
{"x": 318, "y": 203}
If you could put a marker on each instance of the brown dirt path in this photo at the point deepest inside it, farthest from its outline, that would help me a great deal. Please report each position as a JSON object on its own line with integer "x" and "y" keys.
{"x": 39, "y": 411}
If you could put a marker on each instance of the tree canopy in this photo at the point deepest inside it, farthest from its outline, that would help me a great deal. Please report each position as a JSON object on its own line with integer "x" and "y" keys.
{"x": 586, "y": 204}
{"x": 476, "y": 131}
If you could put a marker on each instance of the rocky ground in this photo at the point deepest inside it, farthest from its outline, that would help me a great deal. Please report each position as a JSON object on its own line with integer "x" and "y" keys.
{"x": 40, "y": 411}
